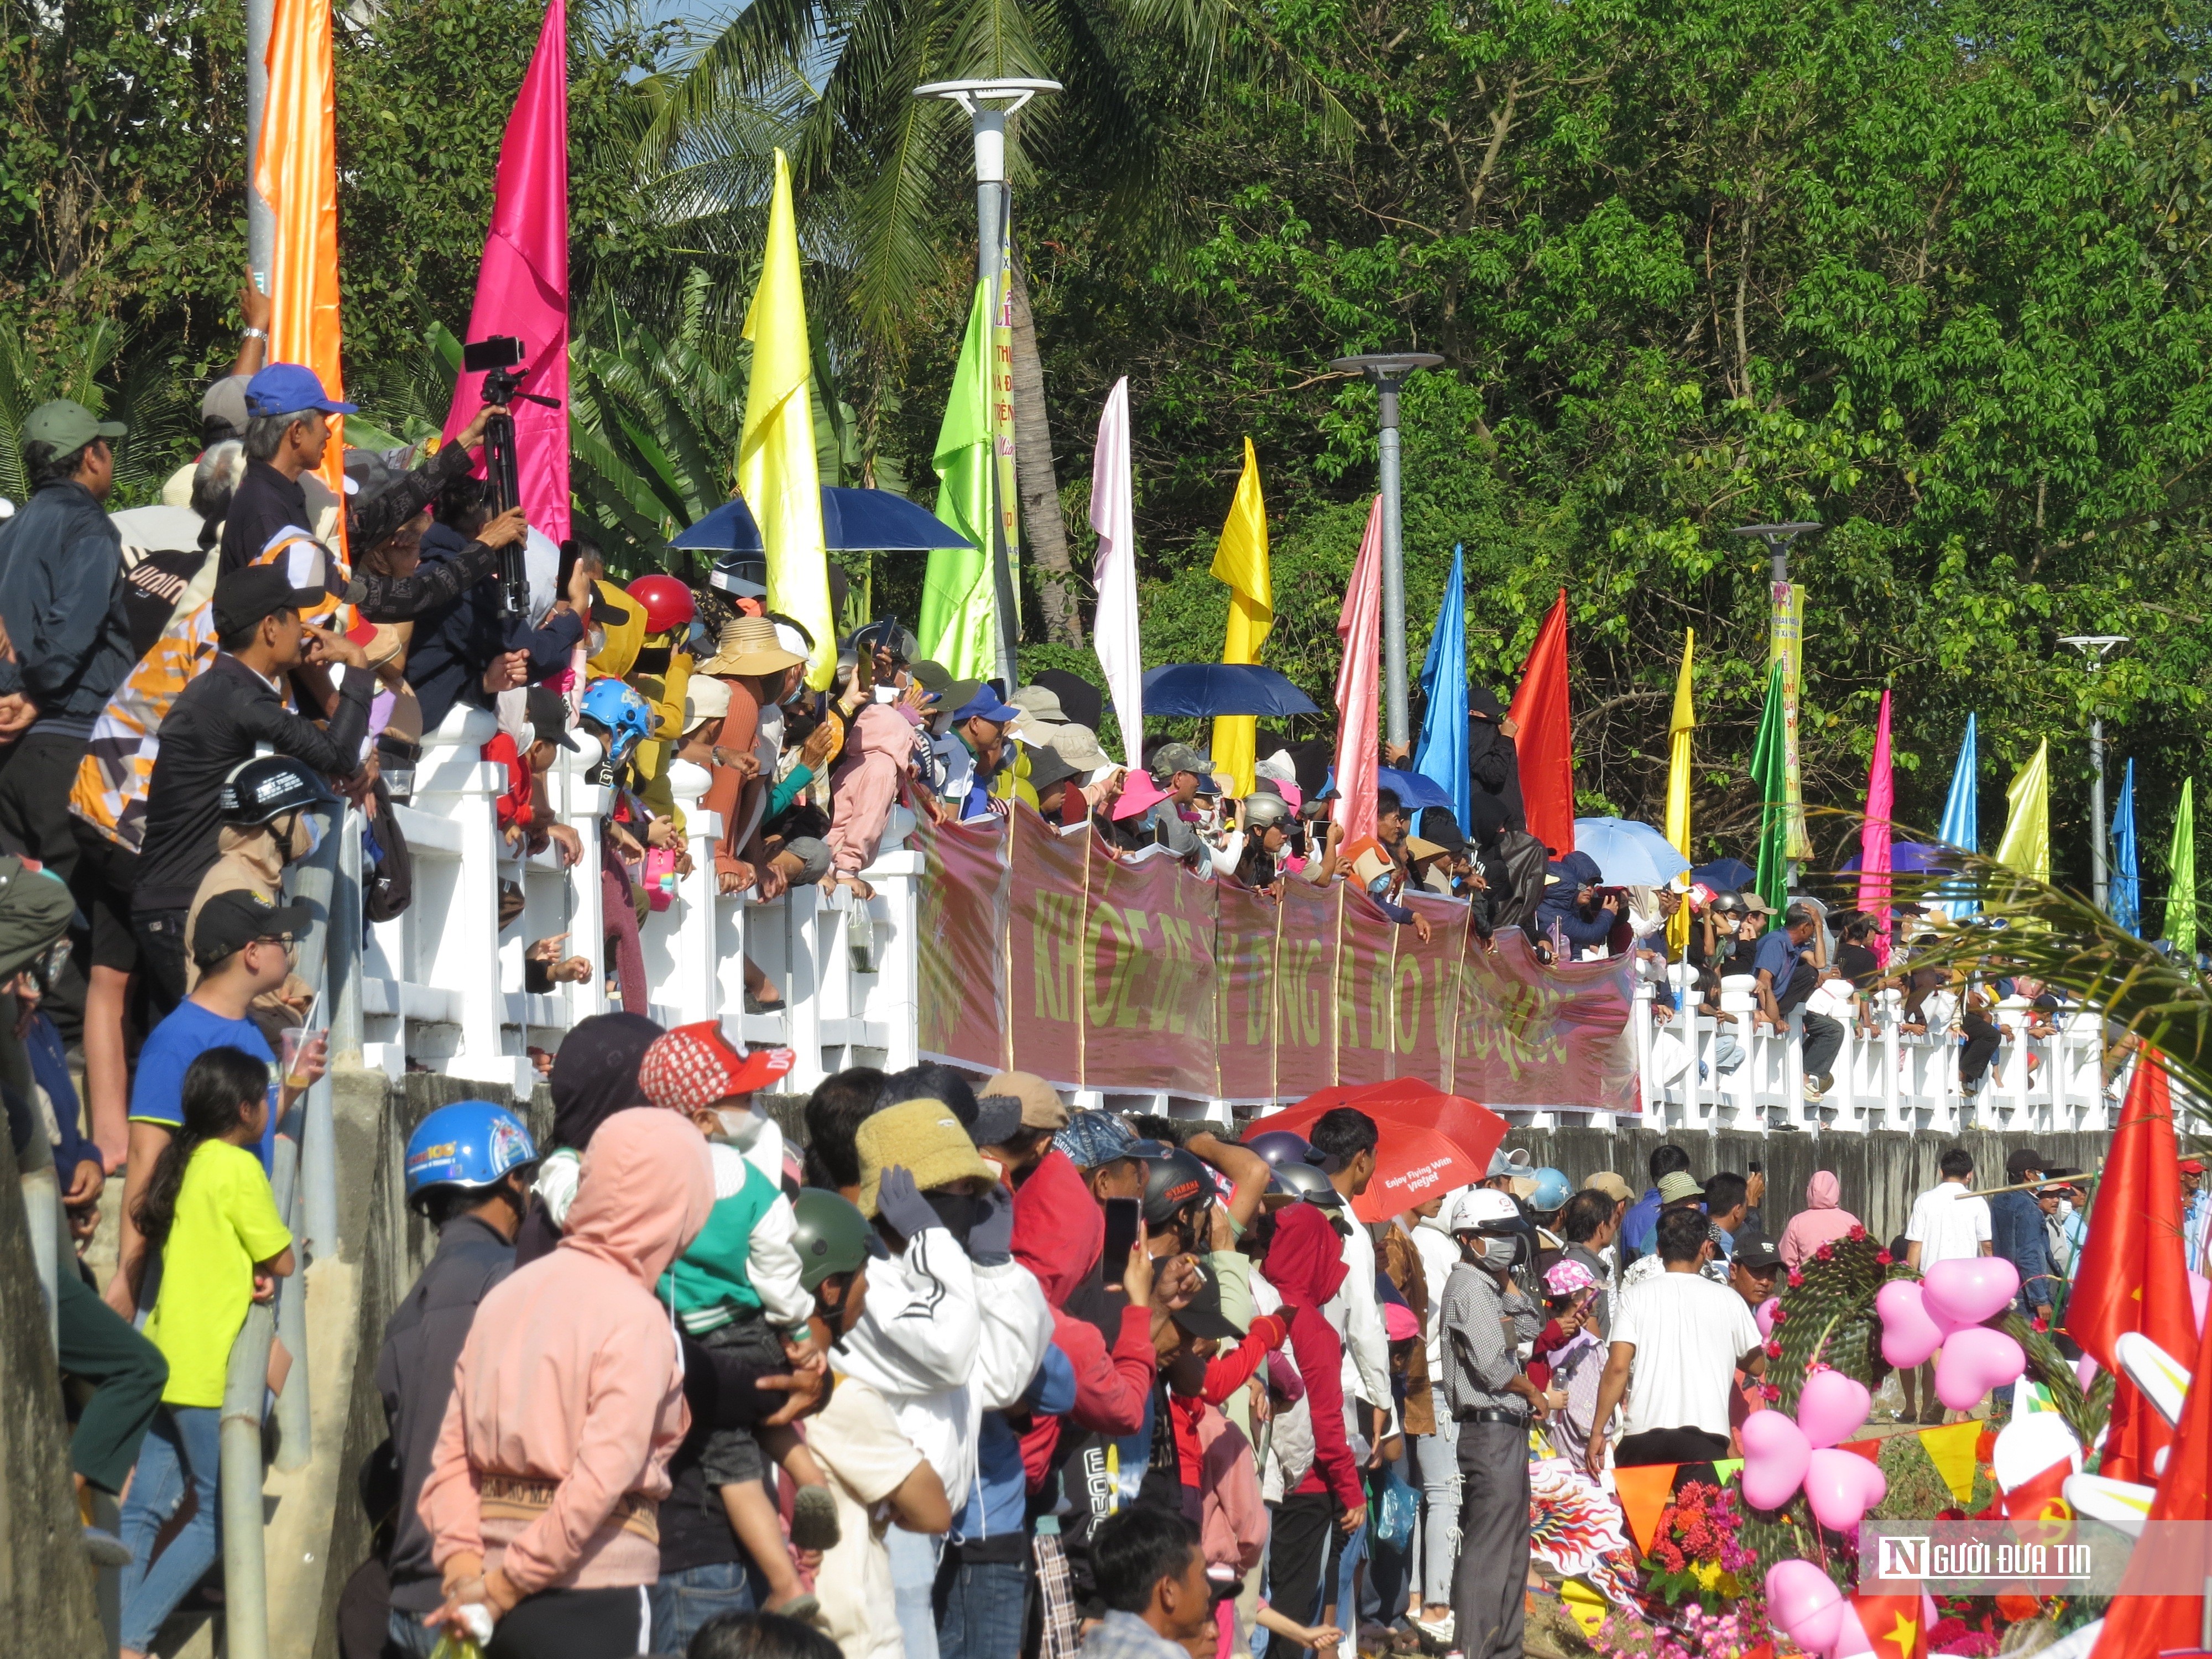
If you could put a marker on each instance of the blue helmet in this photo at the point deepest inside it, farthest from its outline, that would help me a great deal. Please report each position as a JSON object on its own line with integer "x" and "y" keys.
{"x": 624, "y": 712}
{"x": 469, "y": 1144}
{"x": 1552, "y": 1190}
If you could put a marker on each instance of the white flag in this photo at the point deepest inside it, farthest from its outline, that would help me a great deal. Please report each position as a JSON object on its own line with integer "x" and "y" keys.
{"x": 1113, "y": 632}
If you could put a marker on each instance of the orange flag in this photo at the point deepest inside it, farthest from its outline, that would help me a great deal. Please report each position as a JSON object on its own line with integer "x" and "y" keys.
{"x": 1644, "y": 1492}
{"x": 1545, "y": 740}
{"x": 2131, "y": 1276}
{"x": 296, "y": 171}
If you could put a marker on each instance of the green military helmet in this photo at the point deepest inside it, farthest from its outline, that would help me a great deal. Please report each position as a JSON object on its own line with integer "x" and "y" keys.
{"x": 831, "y": 1237}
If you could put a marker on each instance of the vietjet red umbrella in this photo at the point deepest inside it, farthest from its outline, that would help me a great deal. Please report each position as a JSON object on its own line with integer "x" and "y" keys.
{"x": 1427, "y": 1142}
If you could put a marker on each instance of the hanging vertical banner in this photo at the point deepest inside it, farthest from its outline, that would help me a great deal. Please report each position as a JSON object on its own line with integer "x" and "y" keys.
{"x": 1148, "y": 995}
{"x": 1246, "y": 925}
{"x": 1045, "y": 906}
{"x": 1305, "y": 989}
{"x": 1002, "y": 408}
{"x": 1787, "y": 647}
{"x": 963, "y": 920}
{"x": 1424, "y": 981}
{"x": 1365, "y": 941}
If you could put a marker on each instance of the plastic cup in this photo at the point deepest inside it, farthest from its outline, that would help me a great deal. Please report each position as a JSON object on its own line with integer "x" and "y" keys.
{"x": 291, "y": 1043}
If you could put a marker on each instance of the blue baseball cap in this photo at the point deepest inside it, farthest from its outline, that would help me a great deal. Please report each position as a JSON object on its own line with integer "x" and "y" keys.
{"x": 1091, "y": 1139}
{"x": 291, "y": 389}
{"x": 985, "y": 705}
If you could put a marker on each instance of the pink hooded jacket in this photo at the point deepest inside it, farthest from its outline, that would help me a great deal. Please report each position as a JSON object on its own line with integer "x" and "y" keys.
{"x": 865, "y": 784}
{"x": 1822, "y": 1221}
{"x": 570, "y": 1380}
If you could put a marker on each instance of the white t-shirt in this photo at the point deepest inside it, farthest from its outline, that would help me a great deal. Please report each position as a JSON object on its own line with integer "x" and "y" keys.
{"x": 858, "y": 1445}
{"x": 1947, "y": 1223}
{"x": 1689, "y": 1333}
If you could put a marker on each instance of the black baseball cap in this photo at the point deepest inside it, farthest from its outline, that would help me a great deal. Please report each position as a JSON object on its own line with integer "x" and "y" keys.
{"x": 1202, "y": 1314}
{"x": 228, "y": 922}
{"x": 244, "y": 597}
{"x": 549, "y": 717}
{"x": 1753, "y": 1252}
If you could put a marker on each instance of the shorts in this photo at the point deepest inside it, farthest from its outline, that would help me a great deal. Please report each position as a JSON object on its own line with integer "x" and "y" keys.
{"x": 102, "y": 884}
{"x": 733, "y": 1456}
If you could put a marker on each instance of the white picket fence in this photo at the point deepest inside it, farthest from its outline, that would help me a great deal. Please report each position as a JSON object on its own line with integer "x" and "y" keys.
{"x": 442, "y": 988}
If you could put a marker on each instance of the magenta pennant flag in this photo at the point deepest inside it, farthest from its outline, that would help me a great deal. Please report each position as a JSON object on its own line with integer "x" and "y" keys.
{"x": 522, "y": 288}
{"x": 1359, "y": 625}
{"x": 1874, "y": 836}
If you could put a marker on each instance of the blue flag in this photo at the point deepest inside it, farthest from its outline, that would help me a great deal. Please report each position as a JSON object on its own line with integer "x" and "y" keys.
{"x": 2125, "y": 900}
{"x": 1441, "y": 754}
{"x": 1961, "y": 819}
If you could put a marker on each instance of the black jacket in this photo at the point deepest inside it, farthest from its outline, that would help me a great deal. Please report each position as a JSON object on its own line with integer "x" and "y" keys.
{"x": 215, "y": 723}
{"x": 414, "y": 1375}
{"x": 264, "y": 502}
{"x": 62, "y": 597}
{"x": 455, "y": 643}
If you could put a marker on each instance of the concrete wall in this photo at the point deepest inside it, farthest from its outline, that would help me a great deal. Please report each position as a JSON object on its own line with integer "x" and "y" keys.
{"x": 47, "y": 1604}
{"x": 1881, "y": 1173}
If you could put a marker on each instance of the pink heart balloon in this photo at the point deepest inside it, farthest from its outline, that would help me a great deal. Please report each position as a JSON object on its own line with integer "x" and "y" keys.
{"x": 2085, "y": 1370}
{"x": 1851, "y": 1640}
{"x": 1841, "y": 1487}
{"x": 1775, "y": 1451}
{"x": 1763, "y": 1316}
{"x": 1975, "y": 1360}
{"x": 1909, "y": 1335}
{"x": 1803, "y": 1603}
{"x": 1969, "y": 1289}
{"x": 1831, "y": 1407}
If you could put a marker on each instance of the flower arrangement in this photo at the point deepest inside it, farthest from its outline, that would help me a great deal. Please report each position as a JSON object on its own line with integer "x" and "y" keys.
{"x": 1696, "y": 1549}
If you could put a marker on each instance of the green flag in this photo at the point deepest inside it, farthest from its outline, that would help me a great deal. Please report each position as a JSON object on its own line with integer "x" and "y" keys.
{"x": 2181, "y": 876}
{"x": 1770, "y": 771}
{"x": 959, "y": 624}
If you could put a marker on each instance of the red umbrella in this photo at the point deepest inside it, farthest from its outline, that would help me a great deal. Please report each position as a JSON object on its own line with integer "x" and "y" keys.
{"x": 1426, "y": 1142}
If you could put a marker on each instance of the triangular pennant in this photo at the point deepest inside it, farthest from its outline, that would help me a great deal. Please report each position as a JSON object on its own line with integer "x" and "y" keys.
{"x": 1727, "y": 1468}
{"x": 1951, "y": 1449}
{"x": 1644, "y": 1492}
{"x": 1869, "y": 1450}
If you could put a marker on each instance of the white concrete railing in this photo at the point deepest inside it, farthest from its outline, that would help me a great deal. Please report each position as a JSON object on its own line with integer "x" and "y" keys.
{"x": 441, "y": 986}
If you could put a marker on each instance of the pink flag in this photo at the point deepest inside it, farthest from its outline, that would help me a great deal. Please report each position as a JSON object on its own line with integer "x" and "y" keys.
{"x": 1874, "y": 836}
{"x": 522, "y": 288}
{"x": 1359, "y": 625}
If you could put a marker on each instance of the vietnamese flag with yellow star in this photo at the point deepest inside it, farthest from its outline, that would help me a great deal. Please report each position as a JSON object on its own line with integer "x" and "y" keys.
{"x": 1896, "y": 1626}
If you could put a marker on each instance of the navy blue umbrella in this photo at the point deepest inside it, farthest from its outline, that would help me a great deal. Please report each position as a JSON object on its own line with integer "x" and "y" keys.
{"x": 853, "y": 521}
{"x": 1412, "y": 789}
{"x": 1726, "y": 876}
{"x": 1202, "y": 689}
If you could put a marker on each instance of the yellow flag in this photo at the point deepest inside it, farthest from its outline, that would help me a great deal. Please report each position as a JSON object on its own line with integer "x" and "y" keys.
{"x": 2027, "y": 844}
{"x": 1951, "y": 1449}
{"x": 1240, "y": 561}
{"x": 1678, "y": 788}
{"x": 776, "y": 472}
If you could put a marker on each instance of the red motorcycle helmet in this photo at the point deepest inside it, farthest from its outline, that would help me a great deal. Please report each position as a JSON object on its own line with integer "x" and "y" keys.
{"x": 668, "y": 604}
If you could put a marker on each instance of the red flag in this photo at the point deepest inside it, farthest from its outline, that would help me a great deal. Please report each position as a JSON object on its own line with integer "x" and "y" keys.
{"x": 1546, "y": 740}
{"x": 1896, "y": 1626}
{"x": 2132, "y": 1278}
{"x": 2137, "y": 1624}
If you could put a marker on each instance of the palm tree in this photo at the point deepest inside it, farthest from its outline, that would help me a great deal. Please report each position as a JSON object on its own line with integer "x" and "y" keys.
{"x": 884, "y": 166}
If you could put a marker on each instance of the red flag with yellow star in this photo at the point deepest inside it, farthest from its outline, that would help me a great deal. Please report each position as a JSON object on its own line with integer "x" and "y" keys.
{"x": 2132, "y": 1276}
{"x": 1895, "y": 1625}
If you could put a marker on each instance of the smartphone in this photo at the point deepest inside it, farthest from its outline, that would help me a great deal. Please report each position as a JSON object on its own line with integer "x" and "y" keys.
{"x": 1757, "y": 1168}
{"x": 1123, "y": 1215}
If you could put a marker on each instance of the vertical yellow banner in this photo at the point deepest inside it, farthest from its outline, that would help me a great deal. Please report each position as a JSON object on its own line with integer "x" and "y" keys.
{"x": 1788, "y": 649}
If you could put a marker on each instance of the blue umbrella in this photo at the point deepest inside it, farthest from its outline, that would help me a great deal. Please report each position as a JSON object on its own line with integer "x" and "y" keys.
{"x": 1915, "y": 858}
{"x": 1726, "y": 875}
{"x": 853, "y": 521}
{"x": 1204, "y": 689}
{"x": 1412, "y": 789}
{"x": 1630, "y": 854}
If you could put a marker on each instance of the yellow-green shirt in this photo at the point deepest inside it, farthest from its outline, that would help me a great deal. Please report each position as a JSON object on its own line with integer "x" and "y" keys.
{"x": 226, "y": 1221}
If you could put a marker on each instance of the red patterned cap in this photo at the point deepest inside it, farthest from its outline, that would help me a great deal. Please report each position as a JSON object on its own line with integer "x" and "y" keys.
{"x": 694, "y": 1065}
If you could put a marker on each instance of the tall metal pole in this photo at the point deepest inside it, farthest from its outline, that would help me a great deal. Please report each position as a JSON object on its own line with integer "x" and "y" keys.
{"x": 1387, "y": 372}
{"x": 993, "y": 210}
{"x": 260, "y": 223}
{"x": 2093, "y": 646}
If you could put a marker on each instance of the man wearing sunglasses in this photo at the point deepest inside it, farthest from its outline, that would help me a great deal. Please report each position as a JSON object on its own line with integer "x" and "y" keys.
{"x": 243, "y": 945}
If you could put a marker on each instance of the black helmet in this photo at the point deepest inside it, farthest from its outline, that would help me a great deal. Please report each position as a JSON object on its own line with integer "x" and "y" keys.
{"x": 831, "y": 1235}
{"x": 1174, "y": 1182}
{"x": 268, "y": 787}
{"x": 1302, "y": 1181}
{"x": 1280, "y": 1147}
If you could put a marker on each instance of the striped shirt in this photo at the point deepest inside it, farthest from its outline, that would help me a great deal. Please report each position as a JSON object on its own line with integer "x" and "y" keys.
{"x": 1484, "y": 1327}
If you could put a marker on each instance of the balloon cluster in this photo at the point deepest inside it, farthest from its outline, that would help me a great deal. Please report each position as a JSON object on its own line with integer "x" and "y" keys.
{"x": 1780, "y": 1456}
{"x": 1945, "y": 1311}
{"x": 1805, "y": 1606}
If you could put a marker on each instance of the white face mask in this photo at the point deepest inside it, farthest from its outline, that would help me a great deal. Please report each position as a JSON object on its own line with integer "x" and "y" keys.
{"x": 735, "y": 1125}
{"x": 771, "y": 724}
{"x": 1499, "y": 1252}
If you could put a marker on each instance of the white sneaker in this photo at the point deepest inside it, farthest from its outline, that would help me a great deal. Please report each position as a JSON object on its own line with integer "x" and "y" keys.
{"x": 1813, "y": 1091}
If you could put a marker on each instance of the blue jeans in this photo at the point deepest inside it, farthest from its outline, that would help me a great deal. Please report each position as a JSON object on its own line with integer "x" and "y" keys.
{"x": 913, "y": 1583}
{"x": 407, "y": 1633}
{"x": 683, "y": 1601}
{"x": 1347, "y": 1567}
{"x": 1438, "y": 1456}
{"x": 180, "y": 1454}
{"x": 981, "y": 1606}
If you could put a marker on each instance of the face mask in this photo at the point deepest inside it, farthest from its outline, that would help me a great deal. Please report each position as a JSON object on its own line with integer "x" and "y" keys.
{"x": 735, "y": 1126}
{"x": 958, "y": 1211}
{"x": 771, "y": 724}
{"x": 1499, "y": 1252}
{"x": 314, "y": 823}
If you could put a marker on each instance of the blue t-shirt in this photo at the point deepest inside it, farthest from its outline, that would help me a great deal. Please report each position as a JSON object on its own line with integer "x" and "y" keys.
{"x": 157, "y": 1094}
{"x": 1778, "y": 955}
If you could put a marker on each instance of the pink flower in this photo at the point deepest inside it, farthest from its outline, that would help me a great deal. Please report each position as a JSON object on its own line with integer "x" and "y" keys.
{"x": 1883, "y": 1258}
{"x": 1858, "y": 1235}
{"x": 1780, "y": 1315}
{"x": 1796, "y": 1279}
{"x": 2040, "y": 1323}
{"x": 1773, "y": 1349}
{"x": 1770, "y": 1393}
{"x": 1825, "y": 1253}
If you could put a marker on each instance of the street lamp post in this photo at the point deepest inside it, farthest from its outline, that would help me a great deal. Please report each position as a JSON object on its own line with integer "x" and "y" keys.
{"x": 988, "y": 103}
{"x": 1387, "y": 372}
{"x": 2093, "y": 647}
{"x": 1785, "y": 647}
{"x": 260, "y": 222}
